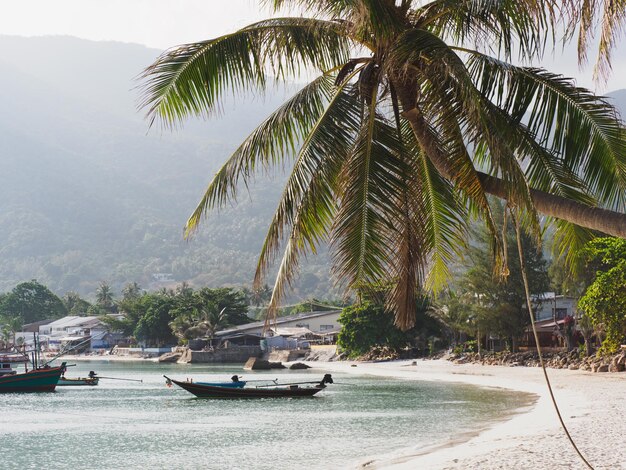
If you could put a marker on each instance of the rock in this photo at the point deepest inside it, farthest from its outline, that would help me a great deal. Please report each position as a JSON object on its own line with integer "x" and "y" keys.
{"x": 170, "y": 357}
{"x": 254, "y": 363}
{"x": 276, "y": 365}
{"x": 185, "y": 357}
{"x": 298, "y": 365}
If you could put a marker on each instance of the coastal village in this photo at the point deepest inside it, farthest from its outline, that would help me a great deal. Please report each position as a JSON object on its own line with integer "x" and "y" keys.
{"x": 313, "y": 336}
{"x": 295, "y": 234}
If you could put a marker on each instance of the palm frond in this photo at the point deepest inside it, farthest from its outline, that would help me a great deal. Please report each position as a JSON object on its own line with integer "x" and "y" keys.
{"x": 273, "y": 141}
{"x": 370, "y": 180}
{"x": 428, "y": 233}
{"x": 569, "y": 239}
{"x": 575, "y": 125}
{"x": 509, "y": 25}
{"x": 613, "y": 21}
{"x": 191, "y": 79}
{"x": 329, "y": 8}
{"x": 308, "y": 202}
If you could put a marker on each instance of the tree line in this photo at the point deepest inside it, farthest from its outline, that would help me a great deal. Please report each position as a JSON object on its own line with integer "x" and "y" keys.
{"x": 477, "y": 304}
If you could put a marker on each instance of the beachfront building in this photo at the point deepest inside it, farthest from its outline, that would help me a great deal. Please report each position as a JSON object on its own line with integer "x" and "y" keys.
{"x": 290, "y": 332}
{"x": 550, "y": 306}
{"x": 554, "y": 313}
{"x": 316, "y": 322}
{"x": 73, "y": 330}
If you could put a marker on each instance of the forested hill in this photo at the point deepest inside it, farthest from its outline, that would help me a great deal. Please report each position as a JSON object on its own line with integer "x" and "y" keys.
{"x": 88, "y": 194}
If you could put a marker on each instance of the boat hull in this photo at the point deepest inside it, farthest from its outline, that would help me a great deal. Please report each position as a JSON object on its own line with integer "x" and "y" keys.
{"x": 208, "y": 391}
{"x": 39, "y": 380}
{"x": 223, "y": 384}
{"x": 65, "y": 382}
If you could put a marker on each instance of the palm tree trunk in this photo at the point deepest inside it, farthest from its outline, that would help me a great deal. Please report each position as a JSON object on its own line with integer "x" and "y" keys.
{"x": 603, "y": 220}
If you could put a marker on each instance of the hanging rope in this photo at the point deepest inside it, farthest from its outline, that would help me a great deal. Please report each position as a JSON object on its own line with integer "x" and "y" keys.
{"x": 532, "y": 322}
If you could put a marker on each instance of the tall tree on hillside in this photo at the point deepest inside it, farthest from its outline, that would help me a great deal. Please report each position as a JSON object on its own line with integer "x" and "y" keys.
{"x": 104, "y": 297}
{"x": 31, "y": 302}
{"x": 74, "y": 304}
{"x": 153, "y": 326}
{"x": 410, "y": 124}
{"x": 131, "y": 291}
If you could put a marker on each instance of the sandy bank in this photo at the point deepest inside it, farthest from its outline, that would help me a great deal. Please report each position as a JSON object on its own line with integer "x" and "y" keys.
{"x": 593, "y": 407}
{"x": 112, "y": 358}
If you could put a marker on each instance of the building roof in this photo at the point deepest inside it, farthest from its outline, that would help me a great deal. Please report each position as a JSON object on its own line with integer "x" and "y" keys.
{"x": 279, "y": 321}
{"x": 294, "y": 331}
{"x": 74, "y": 321}
{"x": 34, "y": 326}
{"x": 550, "y": 296}
{"x": 75, "y": 338}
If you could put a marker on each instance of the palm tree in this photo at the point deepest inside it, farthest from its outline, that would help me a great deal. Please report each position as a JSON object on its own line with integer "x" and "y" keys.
{"x": 212, "y": 319}
{"x": 410, "y": 124}
{"x": 104, "y": 297}
{"x": 11, "y": 325}
{"x": 131, "y": 291}
{"x": 612, "y": 19}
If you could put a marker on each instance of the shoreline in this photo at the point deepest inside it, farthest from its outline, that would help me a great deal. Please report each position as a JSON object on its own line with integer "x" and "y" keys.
{"x": 592, "y": 406}
{"x": 106, "y": 358}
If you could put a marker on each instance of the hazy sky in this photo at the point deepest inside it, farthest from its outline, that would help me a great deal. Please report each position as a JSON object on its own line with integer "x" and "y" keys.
{"x": 165, "y": 23}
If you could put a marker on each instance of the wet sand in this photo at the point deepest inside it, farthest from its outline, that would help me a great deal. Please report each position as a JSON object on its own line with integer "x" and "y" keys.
{"x": 593, "y": 407}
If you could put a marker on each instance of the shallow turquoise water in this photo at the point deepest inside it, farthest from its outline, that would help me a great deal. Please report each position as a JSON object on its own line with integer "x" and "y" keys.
{"x": 147, "y": 425}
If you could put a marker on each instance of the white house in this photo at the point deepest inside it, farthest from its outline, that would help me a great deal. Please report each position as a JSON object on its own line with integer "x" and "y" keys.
{"x": 76, "y": 329}
{"x": 551, "y": 305}
{"x": 317, "y": 322}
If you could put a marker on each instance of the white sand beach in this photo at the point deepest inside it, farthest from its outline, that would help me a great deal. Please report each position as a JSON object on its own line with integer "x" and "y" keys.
{"x": 593, "y": 407}
{"x": 105, "y": 357}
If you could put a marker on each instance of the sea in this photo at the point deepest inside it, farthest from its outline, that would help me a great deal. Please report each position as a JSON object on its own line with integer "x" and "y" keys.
{"x": 123, "y": 424}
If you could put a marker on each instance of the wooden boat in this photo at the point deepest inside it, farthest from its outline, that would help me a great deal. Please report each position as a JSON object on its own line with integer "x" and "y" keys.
{"x": 91, "y": 380}
{"x": 42, "y": 379}
{"x": 234, "y": 383}
{"x": 203, "y": 390}
{"x": 66, "y": 381}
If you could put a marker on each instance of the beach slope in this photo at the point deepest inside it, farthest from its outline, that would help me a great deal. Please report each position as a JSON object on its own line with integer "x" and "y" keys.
{"x": 593, "y": 407}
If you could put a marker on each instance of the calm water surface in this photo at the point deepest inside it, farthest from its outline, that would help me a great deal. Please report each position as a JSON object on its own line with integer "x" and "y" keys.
{"x": 147, "y": 425}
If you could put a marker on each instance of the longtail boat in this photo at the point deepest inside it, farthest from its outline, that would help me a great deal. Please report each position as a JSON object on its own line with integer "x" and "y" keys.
{"x": 91, "y": 380}
{"x": 204, "y": 390}
{"x": 43, "y": 379}
{"x": 234, "y": 383}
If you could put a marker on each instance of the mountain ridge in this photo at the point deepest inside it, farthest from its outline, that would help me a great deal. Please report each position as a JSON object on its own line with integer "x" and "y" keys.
{"x": 89, "y": 193}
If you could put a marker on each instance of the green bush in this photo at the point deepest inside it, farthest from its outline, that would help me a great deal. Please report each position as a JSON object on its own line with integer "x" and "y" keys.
{"x": 368, "y": 325}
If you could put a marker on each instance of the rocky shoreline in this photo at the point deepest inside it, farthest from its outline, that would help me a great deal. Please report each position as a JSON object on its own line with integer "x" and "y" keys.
{"x": 555, "y": 360}
{"x": 561, "y": 360}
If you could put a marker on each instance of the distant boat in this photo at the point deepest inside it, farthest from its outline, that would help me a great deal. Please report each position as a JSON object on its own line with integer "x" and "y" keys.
{"x": 204, "y": 390}
{"x": 43, "y": 379}
{"x": 90, "y": 380}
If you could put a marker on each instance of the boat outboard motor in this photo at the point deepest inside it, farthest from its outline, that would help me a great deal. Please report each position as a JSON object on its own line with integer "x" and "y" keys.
{"x": 235, "y": 378}
{"x": 92, "y": 374}
{"x": 328, "y": 379}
